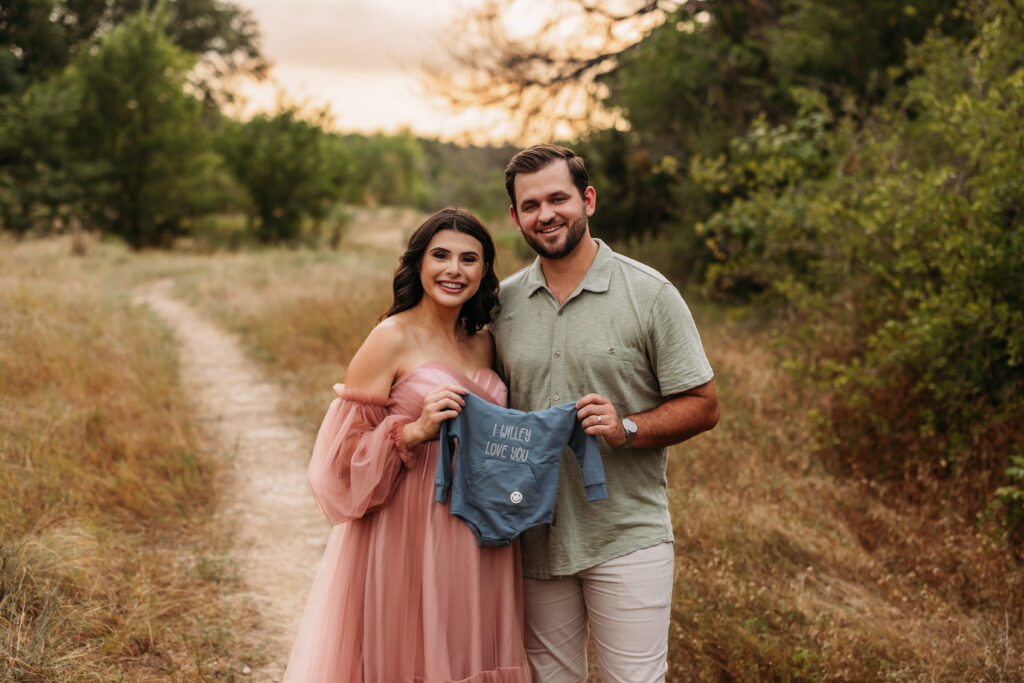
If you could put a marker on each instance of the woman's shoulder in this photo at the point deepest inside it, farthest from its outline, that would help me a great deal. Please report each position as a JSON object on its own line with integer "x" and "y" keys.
{"x": 391, "y": 331}
{"x": 378, "y": 362}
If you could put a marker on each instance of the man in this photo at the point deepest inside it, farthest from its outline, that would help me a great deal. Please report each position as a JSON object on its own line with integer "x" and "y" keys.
{"x": 585, "y": 323}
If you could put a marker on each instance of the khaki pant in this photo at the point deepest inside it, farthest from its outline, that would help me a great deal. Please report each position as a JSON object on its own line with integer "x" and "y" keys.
{"x": 628, "y": 604}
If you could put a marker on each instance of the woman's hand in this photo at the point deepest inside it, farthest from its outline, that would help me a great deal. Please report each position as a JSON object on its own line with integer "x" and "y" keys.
{"x": 443, "y": 403}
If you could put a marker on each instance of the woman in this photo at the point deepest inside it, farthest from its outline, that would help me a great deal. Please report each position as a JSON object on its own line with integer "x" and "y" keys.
{"x": 404, "y": 593}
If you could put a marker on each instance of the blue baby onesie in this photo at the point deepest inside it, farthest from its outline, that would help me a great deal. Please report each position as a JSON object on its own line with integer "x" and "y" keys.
{"x": 506, "y": 472}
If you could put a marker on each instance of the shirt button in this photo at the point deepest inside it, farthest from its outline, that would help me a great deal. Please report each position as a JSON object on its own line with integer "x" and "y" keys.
{"x": 556, "y": 397}
{"x": 557, "y": 354}
{"x": 611, "y": 350}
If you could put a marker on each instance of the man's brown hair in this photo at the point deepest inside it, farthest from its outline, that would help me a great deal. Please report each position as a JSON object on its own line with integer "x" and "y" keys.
{"x": 534, "y": 158}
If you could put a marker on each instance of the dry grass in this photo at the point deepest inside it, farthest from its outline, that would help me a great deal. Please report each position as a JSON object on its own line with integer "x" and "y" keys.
{"x": 105, "y": 489}
{"x": 784, "y": 571}
{"x": 787, "y": 573}
{"x": 304, "y": 313}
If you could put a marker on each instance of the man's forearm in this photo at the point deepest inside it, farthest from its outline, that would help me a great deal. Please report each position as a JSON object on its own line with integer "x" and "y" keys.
{"x": 679, "y": 418}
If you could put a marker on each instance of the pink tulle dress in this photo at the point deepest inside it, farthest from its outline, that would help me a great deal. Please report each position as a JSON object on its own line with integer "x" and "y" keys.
{"x": 404, "y": 593}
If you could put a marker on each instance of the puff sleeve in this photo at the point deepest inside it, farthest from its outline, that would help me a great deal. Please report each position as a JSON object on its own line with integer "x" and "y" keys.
{"x": 358, "y": 456}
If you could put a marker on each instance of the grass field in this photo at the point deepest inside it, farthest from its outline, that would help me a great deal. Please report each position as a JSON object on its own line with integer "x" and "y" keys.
{"x": 109, "y": 563}
{"x": 110, "y": 559}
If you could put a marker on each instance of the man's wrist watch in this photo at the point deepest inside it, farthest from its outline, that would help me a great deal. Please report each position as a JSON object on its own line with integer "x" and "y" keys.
{"x": 631, "y": 430}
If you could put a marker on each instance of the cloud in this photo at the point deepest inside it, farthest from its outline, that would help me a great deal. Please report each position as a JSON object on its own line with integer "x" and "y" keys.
{"x": 350, "y": 35}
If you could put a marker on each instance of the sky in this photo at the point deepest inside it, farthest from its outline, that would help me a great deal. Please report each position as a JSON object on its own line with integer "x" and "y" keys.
{"x": 360, "y": 57}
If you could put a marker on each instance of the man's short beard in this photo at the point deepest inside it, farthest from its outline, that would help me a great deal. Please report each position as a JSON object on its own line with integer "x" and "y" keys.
{"x": 575, "y": 230}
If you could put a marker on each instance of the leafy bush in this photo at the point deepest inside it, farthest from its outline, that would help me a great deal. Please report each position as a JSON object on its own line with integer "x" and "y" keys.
{"x": 286, "y": 165}
{"x": 894, "y": 249}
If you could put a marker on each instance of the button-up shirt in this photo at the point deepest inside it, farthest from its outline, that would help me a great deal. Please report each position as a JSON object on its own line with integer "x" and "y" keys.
{"x": 627, "y": 334}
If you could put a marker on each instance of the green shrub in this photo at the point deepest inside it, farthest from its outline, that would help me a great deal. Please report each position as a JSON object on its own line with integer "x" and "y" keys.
{"x": 892, "y": 247}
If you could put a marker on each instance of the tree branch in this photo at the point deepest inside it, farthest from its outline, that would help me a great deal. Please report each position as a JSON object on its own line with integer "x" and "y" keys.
{"x": 549, "y": 82}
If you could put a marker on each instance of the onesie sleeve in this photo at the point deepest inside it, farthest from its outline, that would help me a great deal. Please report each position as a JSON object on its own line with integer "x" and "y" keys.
{"x": 589, "y": 458}
{"x": 450, "y": 433}
{"x": 358, "y": 456}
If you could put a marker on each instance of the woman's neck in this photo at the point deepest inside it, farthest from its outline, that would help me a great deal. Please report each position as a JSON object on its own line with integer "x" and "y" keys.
{"x": 438, "y": 320}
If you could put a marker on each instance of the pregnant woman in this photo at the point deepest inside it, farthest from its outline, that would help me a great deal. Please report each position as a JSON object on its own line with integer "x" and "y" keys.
{"x": 404, "y": 592}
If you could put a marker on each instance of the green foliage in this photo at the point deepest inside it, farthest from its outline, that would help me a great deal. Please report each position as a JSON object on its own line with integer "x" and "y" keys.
{"x": 469, "y": 176}
{"x": 849, "y": 46}
{"x": 712, "y": 71}
{"x": 289, "y": 167}
{"x": 1008, "y": 502}
{"x": 34, "y": 176}
{"x": 635, "y": 190}
{"x": 137, "y": 141}
{"x": 114, "y": 140}
{"x": 712, "y": 76}
{"x": 39, "y": 38}
{"x": 120, "y": 140}
{"x": 761, "y": 177}
{"x": 385, "y": 169}
{"x": 894, "y": 249}
{"x": 718, "y": 70}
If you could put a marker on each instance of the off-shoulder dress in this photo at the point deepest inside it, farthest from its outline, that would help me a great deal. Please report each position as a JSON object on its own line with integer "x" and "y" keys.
{"x": 404, "y": 594}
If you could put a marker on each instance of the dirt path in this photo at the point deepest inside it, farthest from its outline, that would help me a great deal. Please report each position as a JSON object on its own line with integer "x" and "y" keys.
{"x": 279, "y": 533}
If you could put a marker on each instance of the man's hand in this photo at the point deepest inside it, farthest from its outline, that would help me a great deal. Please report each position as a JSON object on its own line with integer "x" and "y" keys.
{"x": 678, "y": 418}
{"x": 598, "y": 416}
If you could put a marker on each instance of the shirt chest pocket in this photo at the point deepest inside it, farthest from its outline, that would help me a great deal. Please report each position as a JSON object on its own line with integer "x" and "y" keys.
{"x": 615, "y": 371}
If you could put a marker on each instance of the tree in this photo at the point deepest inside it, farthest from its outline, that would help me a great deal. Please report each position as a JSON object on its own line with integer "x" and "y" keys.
{"x": 646, "y": 86}
{"x": 38, "y": 38}
{"x": 286, "y": 165}
{"x": 549, "y": 81}
{"x": 385, "y": 169}
{"x": 137, "y": 142}
{"x": 656, "y": 63}
{"x": 891, "y": 244}
{"x": 469, "y": 176}
{"x": 35, "y": 173}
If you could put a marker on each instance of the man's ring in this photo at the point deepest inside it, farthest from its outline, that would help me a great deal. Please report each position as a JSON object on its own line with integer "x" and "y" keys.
{"x": 599, "y": 419}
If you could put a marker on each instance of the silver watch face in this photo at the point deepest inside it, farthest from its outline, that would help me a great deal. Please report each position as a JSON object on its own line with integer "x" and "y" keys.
{"x": 630, "y": 428}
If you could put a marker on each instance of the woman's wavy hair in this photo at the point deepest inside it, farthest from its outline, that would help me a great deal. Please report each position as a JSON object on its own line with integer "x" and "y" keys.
{"x": 478, "y": 310}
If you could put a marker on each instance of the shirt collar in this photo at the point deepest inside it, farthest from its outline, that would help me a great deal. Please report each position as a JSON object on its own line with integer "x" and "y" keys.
{"x": 597, "y": 279}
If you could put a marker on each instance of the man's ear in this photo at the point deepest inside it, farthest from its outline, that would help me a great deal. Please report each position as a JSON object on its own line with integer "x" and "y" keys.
{"x": 515, "y": 216}
{"x": 590, "y": 200}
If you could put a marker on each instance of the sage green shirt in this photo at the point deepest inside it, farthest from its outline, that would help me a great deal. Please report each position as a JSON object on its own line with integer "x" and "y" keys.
{"x": 627, "y": 334}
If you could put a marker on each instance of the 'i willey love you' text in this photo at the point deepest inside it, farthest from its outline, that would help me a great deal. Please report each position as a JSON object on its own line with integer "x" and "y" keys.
{"x": 509, "y": 448}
